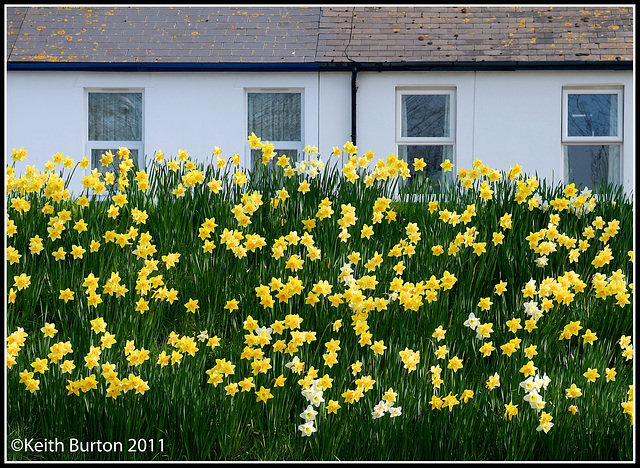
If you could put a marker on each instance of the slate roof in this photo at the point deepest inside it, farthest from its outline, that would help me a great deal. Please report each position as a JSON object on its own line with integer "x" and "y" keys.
{"x": 476, "y": 34}
{"x": 343, "y": 34}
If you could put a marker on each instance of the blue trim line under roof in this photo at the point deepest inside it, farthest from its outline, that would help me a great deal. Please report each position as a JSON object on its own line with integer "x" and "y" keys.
{"x": 161, "y": 67}
{"x": 316, "y": 66}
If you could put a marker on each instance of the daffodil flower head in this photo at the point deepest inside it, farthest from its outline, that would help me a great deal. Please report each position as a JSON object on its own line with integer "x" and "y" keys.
{"x": 203, "y": 336}
{"x": 292, "y": 363}
{"x": 472, "y": 321}
{"x": 545, "y": 422}
{"x": 531, "y": 307}
{"x": 313, "y": 394}
{"x": 309, "y": 414}
{"x": 528, "y": 384}
{"x": 381, "y": 407}
{"x": 317, "y": 398}
{"x": 534, "y": 399}
{"x": 307, "y": 428}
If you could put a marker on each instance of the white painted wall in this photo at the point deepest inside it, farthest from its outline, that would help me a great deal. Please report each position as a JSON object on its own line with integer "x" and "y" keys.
{"x": 528, "y": 121}
{"x": 501, "y": 117}
{"x": 334, "y": 112}
{"x": 377, "y": 109}
{"x": 46, "y": 111}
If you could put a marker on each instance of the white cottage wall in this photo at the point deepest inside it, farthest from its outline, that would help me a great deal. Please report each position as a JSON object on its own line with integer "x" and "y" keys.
{"x": 41, "y": 115}
{"x": 46, "y": 111}
{"x": 500, "y": 117}
{"x": 377, "y": 109}
{"x": 519, "y": 118}
{"x": 334, "y": 106}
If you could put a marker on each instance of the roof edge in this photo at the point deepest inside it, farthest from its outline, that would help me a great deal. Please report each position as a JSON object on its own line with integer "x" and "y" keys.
{"x": 161, "y": 67}
{"x": 493, "y": 65}
{"x": 318, "y": 66}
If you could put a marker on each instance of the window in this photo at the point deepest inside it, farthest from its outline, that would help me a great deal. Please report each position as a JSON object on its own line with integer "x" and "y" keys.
{"x": 425, "y": 129}
{"x": 276, "y": 117}
{"x": 114, "y": 119}
{"x": 592, "y": 136}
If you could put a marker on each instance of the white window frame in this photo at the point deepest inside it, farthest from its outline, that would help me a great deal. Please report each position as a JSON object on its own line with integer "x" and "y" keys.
{"x": 111, "y": 144}
{"x": 566, "y": 91}
{"x": 590, "y": 140}
{"x": 450, "y": 140}
{"x": 279, "y": 145}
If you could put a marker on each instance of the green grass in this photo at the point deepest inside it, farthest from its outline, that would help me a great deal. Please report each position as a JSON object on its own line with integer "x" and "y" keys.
{"x": 187, "y": 418}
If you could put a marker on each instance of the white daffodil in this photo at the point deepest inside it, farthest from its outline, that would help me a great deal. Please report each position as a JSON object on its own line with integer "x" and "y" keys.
{"x": 309, "y": 414}
{"x": 307, "y": 428}
{"x": 472, "y": 322}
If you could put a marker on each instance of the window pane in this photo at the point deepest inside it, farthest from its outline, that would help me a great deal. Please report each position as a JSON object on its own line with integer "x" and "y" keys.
{"x": 592, "y": 115}
{"x": 292, "y": 154}
{"x": 432, "y": 155}
{"x": 275, "y": 116}
{"x": 96, "y": 156}
{"x": 592, "y": 165}
{"x": 115, "y": 116}
{"x": 425, "y": 115}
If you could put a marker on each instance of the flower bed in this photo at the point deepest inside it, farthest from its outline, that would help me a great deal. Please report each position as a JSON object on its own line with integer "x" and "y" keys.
{"x": 337, "y": 310}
